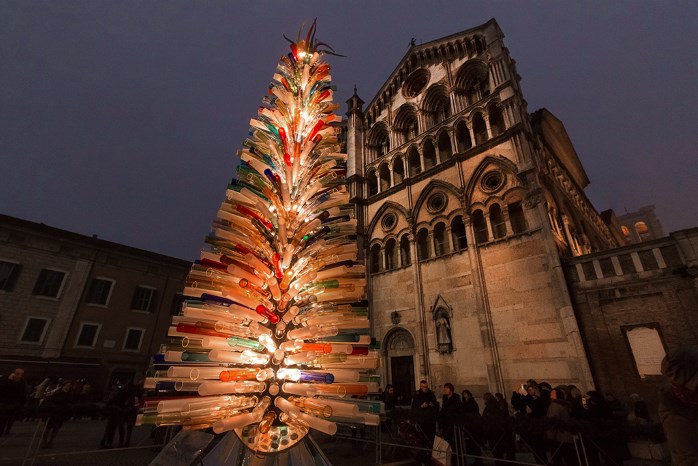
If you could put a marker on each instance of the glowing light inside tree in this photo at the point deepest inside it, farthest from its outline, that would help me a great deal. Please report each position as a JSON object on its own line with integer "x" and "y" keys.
{"x": 273, "y": 337}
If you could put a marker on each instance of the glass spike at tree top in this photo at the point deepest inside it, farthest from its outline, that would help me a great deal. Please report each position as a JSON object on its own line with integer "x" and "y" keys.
{"x": 272, "y": 339}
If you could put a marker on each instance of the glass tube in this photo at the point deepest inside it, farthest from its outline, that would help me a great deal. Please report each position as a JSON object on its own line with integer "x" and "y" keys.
{"x": 332, "y": 390}
{"x": 194, "y": 373}
{"x": 235, "y": 421}
{"x": 232, "y": 375}
{"x": 299, "y": 358}
{"x": 244, "y": 342}
{"x": 316, "y": 377}
{"x": 312, "y": 405}
{"x": 300, "y": 389}
{"x": 222, "y": 388}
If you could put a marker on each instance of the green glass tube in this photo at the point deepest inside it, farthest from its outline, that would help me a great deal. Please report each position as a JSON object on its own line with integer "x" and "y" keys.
{"x": 245, "y": 342}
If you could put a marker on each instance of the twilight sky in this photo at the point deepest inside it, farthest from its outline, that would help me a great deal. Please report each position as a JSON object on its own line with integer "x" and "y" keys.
{"x": 122, "y": 118}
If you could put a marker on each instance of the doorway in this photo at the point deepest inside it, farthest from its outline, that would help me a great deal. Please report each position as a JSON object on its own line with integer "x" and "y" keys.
{"x": 400, "y": 358}
{"x": 402, "y": 376}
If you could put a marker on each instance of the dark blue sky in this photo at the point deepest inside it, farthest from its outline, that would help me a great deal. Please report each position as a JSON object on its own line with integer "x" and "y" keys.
{"x": 122, "y": 118}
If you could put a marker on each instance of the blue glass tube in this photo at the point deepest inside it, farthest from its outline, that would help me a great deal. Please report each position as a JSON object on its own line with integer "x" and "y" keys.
{"x": 320, "y": 377}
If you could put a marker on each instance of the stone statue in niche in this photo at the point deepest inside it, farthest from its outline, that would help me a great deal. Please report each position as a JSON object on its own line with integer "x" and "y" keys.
{"x": 444, "y": 343}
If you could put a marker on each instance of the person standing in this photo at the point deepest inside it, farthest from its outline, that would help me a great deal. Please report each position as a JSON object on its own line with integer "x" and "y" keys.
{"x": 678, "y": 405}
{"x": 58, "y": 404}
{"x": 13, "y": 395}
{"x": 508, "y": 426}
{"x": 558, "y": 432}
{"x": 450, "y": 416}
{"x": 425, "y": 410}
{"x": 472, "y": 426}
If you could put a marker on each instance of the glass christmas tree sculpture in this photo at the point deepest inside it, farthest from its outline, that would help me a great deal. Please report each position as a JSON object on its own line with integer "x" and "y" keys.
{"x": 272, "y": 339}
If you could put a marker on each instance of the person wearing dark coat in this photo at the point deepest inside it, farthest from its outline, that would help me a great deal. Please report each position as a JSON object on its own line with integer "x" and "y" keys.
{"x": 115, "y": 411}
{"x": 58, "y": 406}
{"x": 388, "y": 397}
{"x": 495, "y": 427}
{"x": 532, "y": 408}
{"x": 508, "y": 437}
{"x": 13, "y": 395}
{"x": 558, "y": 432}
{"x": 472, "y": 426}
{"x": 425, "y": 410}
{"x": 607, "y": 437}
{"x": 450, "y": 416}
{"x": 678, "y": 405}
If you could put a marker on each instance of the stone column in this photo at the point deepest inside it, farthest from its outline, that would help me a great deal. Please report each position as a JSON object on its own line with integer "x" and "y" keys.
{"x": 392, "y": 175}
{"x": 568, "y": 235}
{"x": 486, "y": 116}
{"x": 486, "y": 216}
{"x": 507, "y": 222}
{"x": 449, "y": 239}
{"x": 469, "y": 124}
{"x": 454, "y": 141}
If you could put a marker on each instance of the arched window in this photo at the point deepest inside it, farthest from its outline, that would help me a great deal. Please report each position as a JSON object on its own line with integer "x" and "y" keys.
{"x": 445, "y": 150}
{"x": 517, "y": 218}
{"x": 442, "y": 324}
{"x": 642, "y": 231}
{"x": 405, "y": 256}
{"x": 422, "y": 244}
{"x": 413, "y": 161}
{"x": 472, "y": 82}
{"x": 375, "y": 258}
{"x": 429, "y": 154}
{"x": 499, "y": 228}
{"x": 496, "y": 119}
{"x": 390, "y": 255}
{"x": 626, "y": 232}
{"x": 436, "y": 105}
{"x": 460, "y": 241}
{"x": 377, "y": 143}
{"x": 398, "y": 170}
{"x": 479, "y": 128}
{"x": 384, "y": 175}
{"x": 440, "y": 240}
{"x": 480, "y": 227}
{"x": 463, "y": 137}
{"x": 372, "y": 183}
{"x": 405, "y": 126}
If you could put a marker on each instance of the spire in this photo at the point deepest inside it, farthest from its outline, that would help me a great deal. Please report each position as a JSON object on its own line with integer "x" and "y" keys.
{"x": 354, "y": 104}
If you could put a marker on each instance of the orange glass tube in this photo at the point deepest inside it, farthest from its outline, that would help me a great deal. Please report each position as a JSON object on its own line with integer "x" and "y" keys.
{"x": 317, "y": 347}
{"x": 232, "y": 375}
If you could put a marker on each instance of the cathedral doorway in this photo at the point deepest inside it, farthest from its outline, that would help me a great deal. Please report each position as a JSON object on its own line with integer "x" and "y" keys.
{"x": 400, "y": 359}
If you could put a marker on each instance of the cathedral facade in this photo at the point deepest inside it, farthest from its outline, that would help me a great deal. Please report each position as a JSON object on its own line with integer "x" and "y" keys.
{"x": 466, "y": 204}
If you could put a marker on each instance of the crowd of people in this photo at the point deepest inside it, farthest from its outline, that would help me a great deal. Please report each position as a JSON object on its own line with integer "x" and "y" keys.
{"x": 58, "y": 400}
{"x": 546, "y": 421}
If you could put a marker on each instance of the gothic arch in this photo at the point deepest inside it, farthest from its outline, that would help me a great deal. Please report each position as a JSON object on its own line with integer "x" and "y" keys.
{"x": 378, "y": 141}
{"x": 398, "y": 338}
{"x": 437, "y": 104}
{"x": 502, "y": 162}
{"x": 429, "y": 188}
{"x": 472, "y": 82}
{"x": 387, "y": 205}
{"x": 405, "y": 124}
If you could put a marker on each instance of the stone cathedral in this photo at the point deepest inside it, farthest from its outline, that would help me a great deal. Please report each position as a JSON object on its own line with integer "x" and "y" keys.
{"x": 466, "y": 204}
